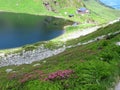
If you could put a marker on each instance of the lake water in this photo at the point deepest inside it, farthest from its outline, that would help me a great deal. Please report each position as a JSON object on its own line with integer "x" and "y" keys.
{"x": 20, "y": 29}
{"x": 112, "y": 3}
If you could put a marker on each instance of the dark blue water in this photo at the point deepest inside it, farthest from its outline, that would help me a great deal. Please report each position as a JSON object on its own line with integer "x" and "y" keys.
{"x": 112, "y": 3}
{"x": 20, "y": 29}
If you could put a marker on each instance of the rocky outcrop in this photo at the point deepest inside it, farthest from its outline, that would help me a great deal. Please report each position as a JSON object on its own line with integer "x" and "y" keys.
{"x": 27, "y": 57}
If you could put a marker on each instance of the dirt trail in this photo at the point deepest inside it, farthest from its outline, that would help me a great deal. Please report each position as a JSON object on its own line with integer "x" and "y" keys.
{"x": 84, "y": 32}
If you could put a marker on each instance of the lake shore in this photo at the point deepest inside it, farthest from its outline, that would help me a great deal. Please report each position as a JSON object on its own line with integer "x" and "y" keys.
{"x": 104, "y": 4}
{"x": 27, "y": 57}
{"x": 112, "y": 5}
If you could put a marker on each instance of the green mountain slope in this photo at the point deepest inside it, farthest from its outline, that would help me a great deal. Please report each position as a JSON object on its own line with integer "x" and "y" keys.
{"x": 98, "y": 12}
{"x": 94, "y": 66}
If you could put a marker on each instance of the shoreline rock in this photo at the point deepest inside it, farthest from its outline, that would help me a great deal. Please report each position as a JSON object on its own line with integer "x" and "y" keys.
{"x": 28, "y": 57}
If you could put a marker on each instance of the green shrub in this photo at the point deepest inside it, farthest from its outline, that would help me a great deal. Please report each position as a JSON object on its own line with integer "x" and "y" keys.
{"x": 29, "y": 47}
{"x": 92, "y": 74}
{"x": 38, "y": 85}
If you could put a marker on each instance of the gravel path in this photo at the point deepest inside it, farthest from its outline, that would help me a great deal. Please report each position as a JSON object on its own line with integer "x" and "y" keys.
{"x": 79, "y": 33}
{"x": 118, "y": 86}
{"x": 84, "y": 32}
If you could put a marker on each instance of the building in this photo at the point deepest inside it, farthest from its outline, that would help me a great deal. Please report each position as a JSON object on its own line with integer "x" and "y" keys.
{"x": 82, "y": 10}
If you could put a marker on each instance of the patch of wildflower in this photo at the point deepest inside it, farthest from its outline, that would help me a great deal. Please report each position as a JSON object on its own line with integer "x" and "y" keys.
{"x": 61, "y": 74}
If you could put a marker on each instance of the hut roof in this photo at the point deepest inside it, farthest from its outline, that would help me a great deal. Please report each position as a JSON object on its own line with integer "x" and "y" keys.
{"x": 82, "y": 9}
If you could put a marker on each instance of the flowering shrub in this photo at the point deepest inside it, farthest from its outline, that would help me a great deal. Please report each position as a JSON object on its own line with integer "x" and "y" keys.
{"x": 61, "y": 74}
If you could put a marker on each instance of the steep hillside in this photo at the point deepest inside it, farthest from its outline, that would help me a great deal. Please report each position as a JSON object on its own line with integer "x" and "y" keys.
{"x": 58, "y": 5}
{"x": 62, "y": 8}
{"x": 93, "y": 66}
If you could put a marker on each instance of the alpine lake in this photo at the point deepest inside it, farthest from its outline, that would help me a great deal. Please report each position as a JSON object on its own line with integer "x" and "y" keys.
{"x": 18, "y": 29}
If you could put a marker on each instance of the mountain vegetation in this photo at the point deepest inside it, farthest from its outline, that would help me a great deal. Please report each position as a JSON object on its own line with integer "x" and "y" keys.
{"x": 93, "y": 66}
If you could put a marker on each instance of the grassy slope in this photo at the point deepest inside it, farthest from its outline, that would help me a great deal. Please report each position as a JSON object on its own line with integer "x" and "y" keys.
{"x": 95, "y": 66}
{"x": 23, "y": 6}
{"x": 98, "y": 12}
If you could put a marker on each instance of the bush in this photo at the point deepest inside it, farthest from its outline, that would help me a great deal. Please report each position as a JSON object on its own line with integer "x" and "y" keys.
{"x": 38, "y": 85}
{"x": 59, "y": 75}
{"x": 29, "y": 47}
{"x": 93, "y": 74}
